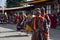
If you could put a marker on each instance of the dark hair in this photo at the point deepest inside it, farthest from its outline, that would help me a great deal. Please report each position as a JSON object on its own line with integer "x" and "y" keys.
{"x": 36, "y": 11}
{"x": 21, "y": 13}
{"x": 42, "y": 9}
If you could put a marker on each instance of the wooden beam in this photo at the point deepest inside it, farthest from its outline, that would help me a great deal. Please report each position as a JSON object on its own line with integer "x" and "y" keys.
{"x": 32, "y": 2}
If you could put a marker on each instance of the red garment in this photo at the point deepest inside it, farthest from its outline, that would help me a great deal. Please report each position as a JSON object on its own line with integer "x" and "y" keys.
{"x": 53, "y": 21}
{"x": 35, "y": 18}
{"x": 45, "y": 33}
{"x": 16, "y": 19}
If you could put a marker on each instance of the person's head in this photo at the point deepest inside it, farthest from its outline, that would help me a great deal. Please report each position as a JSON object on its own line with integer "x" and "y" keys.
{"x": 30, "y": 13}
{"x": 37, "y": 11}
{"x": 29, "y": 16}
{"x": 42, "y": 9}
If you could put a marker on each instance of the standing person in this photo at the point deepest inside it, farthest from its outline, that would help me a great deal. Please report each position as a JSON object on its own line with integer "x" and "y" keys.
{"x": 29, "y": 22}
{"x": 5, "y": 18}
{"x": 53, "y": 21}
{"x": 46, "y": 32}
{"x": 38, "y": 22}
{"x": 15, "y": 19}
{"x": 20, "y": 24}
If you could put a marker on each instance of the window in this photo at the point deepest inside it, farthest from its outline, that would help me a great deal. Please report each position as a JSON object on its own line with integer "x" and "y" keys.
{"x": 48, "y": 9}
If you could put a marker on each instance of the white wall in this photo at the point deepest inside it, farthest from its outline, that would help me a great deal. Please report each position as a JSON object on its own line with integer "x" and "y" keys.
{"x": 29, "y": 0}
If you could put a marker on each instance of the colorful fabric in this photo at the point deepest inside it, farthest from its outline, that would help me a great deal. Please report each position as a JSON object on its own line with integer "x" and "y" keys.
{"x": 28, "y": 28}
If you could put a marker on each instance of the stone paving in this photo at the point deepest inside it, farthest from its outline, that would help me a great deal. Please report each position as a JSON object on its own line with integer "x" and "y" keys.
{"x": 8, "y": 32}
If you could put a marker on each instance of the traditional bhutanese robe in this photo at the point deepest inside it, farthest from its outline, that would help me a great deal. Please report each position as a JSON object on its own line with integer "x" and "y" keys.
{"x": 39, "y": 27}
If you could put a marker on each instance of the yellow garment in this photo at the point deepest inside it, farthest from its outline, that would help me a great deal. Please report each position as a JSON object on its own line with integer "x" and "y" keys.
{"x": 28, "y": 28}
